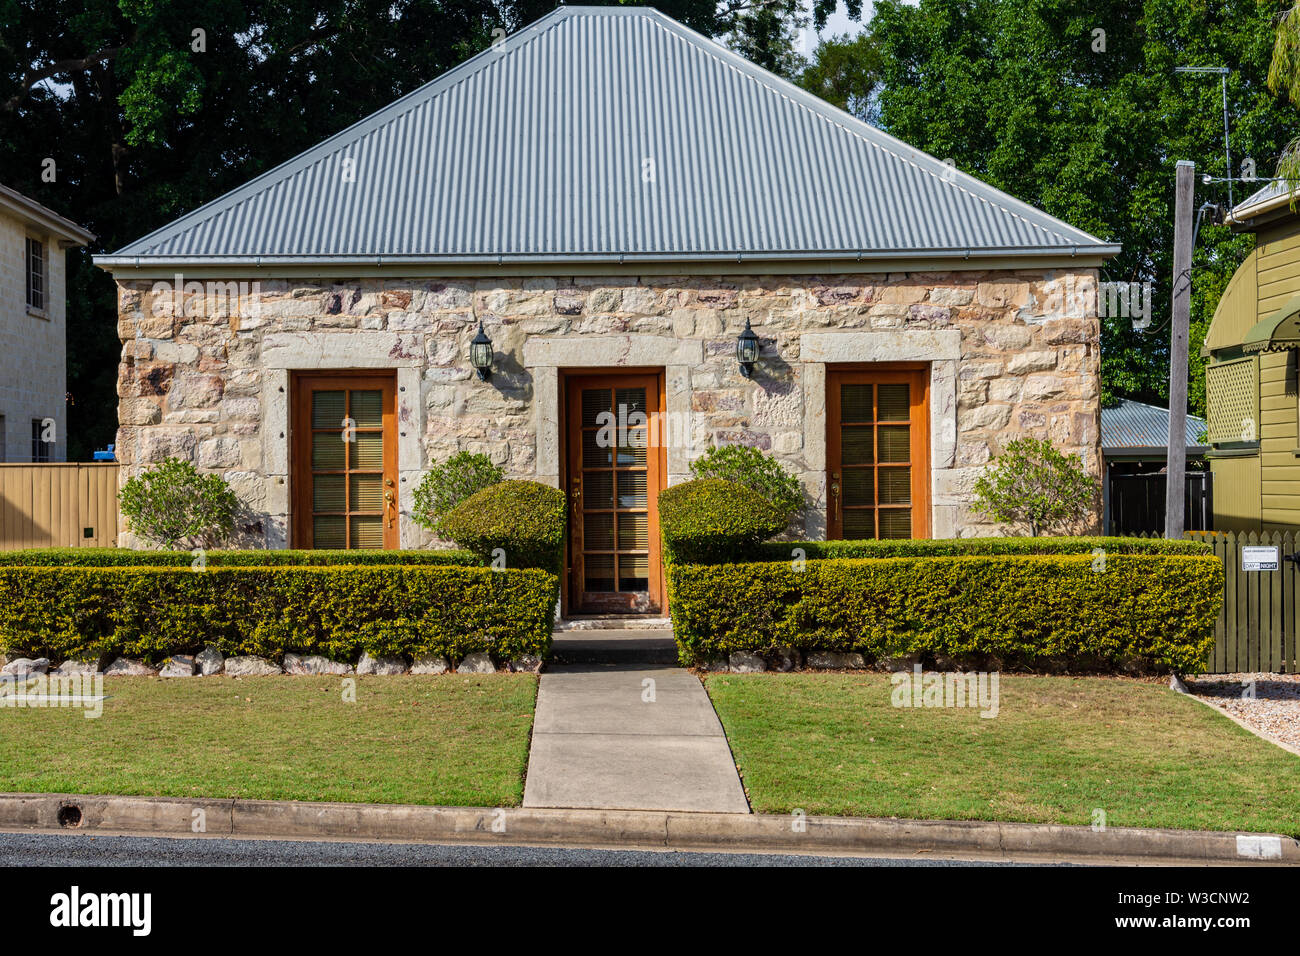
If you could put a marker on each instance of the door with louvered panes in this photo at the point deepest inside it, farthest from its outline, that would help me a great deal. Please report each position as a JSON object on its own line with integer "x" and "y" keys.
{"x": 877, "y": 452}
{"x": 345, "y": 462}
{"x": 614, "y": 472}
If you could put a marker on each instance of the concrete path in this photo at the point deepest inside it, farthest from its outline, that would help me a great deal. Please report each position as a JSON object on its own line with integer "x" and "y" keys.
{"x": 629, "y": 737}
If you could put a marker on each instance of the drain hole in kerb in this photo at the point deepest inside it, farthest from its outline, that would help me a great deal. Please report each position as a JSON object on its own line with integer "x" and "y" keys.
{"x": 69, "y": 815}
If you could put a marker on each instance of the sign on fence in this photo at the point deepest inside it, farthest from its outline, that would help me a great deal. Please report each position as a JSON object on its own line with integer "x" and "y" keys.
{"x": 1259, "y": 559}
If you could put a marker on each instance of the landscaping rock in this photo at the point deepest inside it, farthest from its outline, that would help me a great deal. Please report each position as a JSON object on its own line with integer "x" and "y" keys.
{"x": 834, "y": 661}
{"x": 527, "y": 664}
{"x": 313, "y": 664}
{"x": 476, "y": 663}
{"x": 786, "y": 659}
{"x": 720, "y": 666}
{"x": 182, "y": 665}
{"x": 744, "y": 662}
{"x": 380, "y": 665}
{"x": 209, "y": 661}
{"x": 77, "y": 667}
{"x": 904, "y": 662}
{"x": 430, "y": 665}
{"x": 250, "y": 666}
{"x": 1176, "y": 684}
{"x": 128, "y": 667}
{"x": 24, "y": 665}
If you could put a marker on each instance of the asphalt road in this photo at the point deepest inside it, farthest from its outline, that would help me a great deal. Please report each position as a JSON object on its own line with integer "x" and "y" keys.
{"x": 57, "y": 849}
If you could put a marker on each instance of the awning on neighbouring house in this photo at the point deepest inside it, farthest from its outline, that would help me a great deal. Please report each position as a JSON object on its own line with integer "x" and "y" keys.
{"x": 1280, "y": 331}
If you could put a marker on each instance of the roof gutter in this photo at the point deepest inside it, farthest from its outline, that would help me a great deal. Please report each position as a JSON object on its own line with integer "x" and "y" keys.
{"x": 113, "y": 261}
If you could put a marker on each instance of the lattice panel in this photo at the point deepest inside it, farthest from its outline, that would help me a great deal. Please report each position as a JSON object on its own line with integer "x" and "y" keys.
{"x": 1232, "y": 394}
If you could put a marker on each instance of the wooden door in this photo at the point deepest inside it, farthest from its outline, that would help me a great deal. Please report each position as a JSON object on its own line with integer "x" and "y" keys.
{"x": 877, "y": 453}
{"x": 615, "y": 470}
{"x": 345, "y": 461}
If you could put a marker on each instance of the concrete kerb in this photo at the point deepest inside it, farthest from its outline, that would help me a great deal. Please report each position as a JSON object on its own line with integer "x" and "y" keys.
{"x": 753, "y": 833}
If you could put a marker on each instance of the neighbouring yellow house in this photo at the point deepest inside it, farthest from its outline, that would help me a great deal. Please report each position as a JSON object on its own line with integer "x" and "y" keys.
{"x": 1251, "y": 350}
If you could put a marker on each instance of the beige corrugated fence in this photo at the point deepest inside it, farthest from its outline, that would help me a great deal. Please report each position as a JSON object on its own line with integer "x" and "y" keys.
{"x": 58, "y": 505}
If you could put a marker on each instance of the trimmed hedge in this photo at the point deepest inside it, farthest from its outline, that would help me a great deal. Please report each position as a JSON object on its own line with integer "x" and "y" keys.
{"x": 710, "y": 520}
{"x": 1148, "y": 611}
{"x": 85, "y": 613}
{"x": 956, "y": 547}
{"x": 127, "y": 557}
{"x": 524, "y": 519}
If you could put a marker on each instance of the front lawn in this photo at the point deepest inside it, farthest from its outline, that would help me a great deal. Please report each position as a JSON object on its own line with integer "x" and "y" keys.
{"x": 1059, "y": 748}
{"x": 450, "y": 739}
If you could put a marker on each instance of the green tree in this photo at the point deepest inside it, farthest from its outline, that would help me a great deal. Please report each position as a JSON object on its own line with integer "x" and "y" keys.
{"x": 1029, "y": 97}
{"x": 1284, "y": 76}
{"x": 845, "y": 71}
{"x": 1031, "y": 484}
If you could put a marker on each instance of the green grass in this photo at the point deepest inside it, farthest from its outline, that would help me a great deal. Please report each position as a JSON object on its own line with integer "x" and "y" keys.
{"x": 449, "y": 739}
{"x": 1059, "y": 748}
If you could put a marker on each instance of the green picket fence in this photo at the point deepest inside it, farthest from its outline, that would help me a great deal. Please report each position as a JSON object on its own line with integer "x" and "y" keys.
{"x": 1257, "y": 628}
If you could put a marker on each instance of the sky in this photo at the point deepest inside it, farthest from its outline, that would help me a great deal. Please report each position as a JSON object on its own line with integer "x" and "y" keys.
{"x": 838, "y": 24}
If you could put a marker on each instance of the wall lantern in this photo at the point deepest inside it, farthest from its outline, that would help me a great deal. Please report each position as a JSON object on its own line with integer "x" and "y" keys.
{"x": 480, "y": 354}
{"x": 747, "y": 350}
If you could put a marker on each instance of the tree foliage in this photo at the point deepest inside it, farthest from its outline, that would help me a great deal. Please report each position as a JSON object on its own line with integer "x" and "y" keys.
{"x": 1030, "y": 97}
{"x": 845, "y": 71}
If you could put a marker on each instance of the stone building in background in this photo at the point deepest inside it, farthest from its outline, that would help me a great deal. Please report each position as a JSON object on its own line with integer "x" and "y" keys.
{"x": 612, "y": 200}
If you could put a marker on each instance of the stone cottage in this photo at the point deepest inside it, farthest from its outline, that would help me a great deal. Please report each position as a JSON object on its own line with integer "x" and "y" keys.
{"x": 611, "y": 200}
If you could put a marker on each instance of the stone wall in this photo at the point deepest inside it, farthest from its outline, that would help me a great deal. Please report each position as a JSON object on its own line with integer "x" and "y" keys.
{"x": 204, "y": 373}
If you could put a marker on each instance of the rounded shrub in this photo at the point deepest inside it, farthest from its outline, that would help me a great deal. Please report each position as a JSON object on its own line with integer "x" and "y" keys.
{"x": 448, "y": 483}
{"x": 172, "y": 505}
{"x": 756, "y": 470}
{"x": 520, "y": 522}
{"x": 710, "y": 520}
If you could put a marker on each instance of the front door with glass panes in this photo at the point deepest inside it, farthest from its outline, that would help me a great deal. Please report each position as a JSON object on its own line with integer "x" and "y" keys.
{"x": 614, "y": 472}
{"x": 345, "y": 461}
{"x": 877, "y": 453}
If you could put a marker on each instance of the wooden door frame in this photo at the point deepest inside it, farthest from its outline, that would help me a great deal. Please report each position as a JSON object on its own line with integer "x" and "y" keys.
{"x": 301, "y": 382}
{"x": 568, "y": 462}
{"x": 915, "y": 373}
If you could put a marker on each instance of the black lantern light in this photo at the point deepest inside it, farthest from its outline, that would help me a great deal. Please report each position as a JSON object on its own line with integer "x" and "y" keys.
{"x": 747, "y": 350}
{"x": 480, "y": 354}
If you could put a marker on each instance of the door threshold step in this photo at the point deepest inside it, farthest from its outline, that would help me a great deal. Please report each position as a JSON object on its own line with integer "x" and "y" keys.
{"x": 620, "y": 622}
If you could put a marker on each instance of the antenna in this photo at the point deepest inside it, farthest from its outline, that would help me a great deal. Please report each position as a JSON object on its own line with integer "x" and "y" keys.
{"x": 1222, "y": 72}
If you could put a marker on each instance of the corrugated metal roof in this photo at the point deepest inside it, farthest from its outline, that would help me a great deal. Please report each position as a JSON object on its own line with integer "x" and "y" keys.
{"x": 1135, "y": 425}
{"x": 605, "y": 134}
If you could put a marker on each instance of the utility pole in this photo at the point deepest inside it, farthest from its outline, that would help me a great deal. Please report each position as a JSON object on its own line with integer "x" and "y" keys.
{"x": 1180, "y": 318}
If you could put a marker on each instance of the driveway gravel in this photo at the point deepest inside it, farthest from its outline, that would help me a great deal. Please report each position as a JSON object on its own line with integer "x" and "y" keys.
{"x": 1269, "y": 703}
